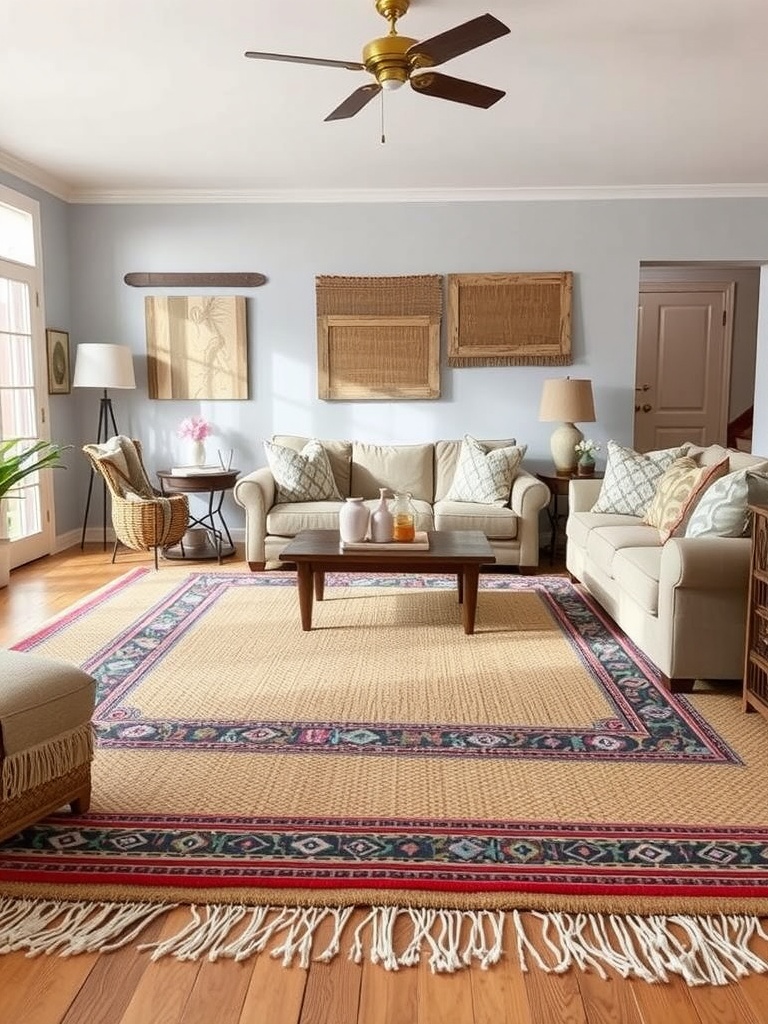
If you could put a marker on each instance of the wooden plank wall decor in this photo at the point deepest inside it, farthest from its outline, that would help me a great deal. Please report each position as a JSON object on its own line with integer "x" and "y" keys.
{"x": 510, "y": 319}
{"x": 378, "y": 337}
{"x": 196, "y": 346}
{"x": 214, "y": 280}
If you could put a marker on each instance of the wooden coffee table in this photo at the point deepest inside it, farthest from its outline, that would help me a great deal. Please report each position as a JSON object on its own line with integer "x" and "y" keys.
{"x": 316, "y": 552}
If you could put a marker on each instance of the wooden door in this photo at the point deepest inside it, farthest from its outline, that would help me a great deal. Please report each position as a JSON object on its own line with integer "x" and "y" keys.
{"x": 683, "y": 368}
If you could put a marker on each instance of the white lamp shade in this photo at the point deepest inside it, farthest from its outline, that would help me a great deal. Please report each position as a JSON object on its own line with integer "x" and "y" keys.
{"x": 103, "y": 366}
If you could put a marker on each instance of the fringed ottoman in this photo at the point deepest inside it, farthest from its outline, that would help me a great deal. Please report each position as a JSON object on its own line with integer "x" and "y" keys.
{"x": 46, "y": 738}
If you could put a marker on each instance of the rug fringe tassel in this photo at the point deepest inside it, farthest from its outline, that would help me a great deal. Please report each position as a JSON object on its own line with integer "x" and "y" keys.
{"x": 702, "y": 950}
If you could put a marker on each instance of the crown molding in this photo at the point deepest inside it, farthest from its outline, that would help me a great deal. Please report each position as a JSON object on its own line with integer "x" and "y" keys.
{"x": 34, "y": 175}
{"x": 445, "y": 195}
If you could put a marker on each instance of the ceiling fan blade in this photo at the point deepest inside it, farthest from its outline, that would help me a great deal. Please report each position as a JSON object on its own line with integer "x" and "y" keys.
{"x": 352, "y": 65}
{"x": 352, "y": 104}
{"x": 432, "y": 83}
{"x": 459, "y": 40}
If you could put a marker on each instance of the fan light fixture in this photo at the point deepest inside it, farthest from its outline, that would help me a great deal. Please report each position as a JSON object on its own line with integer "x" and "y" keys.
{"x": 569, "y": 401}
{"x": 392, "y": 60}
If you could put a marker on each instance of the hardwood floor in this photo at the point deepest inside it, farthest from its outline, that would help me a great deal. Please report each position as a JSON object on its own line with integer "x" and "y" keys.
{"x": 126, "y": 987}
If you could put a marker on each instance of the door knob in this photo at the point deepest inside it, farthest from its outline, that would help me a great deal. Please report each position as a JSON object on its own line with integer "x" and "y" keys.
{"x": 637, "y": 408}
{"x": 647, "y": 408}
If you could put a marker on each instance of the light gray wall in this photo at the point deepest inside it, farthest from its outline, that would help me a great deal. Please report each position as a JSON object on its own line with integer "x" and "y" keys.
{"x": 602, "y": 242}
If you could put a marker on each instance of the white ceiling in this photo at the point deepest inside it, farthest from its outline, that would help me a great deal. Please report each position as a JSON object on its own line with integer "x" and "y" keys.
{"x": 121, "y": 99}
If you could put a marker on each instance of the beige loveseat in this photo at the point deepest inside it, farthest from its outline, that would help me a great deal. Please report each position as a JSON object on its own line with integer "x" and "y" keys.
{"x": 683, "y": 602}
{"x": 424, "y": 470}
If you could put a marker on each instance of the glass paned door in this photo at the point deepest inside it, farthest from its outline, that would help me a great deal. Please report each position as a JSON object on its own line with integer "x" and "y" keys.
{"x": 27, "y": 509}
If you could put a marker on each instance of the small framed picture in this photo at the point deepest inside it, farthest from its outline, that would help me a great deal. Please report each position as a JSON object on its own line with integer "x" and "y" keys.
{"x": 57, "y": 344}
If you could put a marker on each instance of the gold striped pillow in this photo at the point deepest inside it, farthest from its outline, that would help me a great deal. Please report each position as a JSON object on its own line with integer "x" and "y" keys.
{"x": 677, "y": 492}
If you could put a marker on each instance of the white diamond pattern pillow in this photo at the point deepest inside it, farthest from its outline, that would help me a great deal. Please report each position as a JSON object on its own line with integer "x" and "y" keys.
{"x": 304, "y": 475}
{"x": 485, "y": 476}
{"x": 630, "y": 479}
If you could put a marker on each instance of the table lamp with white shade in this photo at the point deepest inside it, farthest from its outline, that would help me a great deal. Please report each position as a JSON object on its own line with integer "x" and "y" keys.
{"x": 568, "y": 401}
{"x": 104, "y": 366}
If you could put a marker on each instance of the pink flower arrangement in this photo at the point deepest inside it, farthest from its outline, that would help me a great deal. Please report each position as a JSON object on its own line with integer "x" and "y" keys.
{"x": 195, "y": 428}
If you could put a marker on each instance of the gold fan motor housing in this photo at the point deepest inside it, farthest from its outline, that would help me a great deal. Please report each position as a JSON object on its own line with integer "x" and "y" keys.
{"x": 385, "y": 58}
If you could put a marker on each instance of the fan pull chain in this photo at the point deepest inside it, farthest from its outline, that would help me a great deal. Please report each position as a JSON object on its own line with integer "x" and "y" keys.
{"x": 383, "y": 136}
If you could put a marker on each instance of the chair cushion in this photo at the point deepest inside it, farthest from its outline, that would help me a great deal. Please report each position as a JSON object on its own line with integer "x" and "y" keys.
{"x": 302, "y": 476}
{"x": 41, "y": 698}
{"x": 483, "y": 474}
{"x": 631, "y": 477}
{"x": 496, "y": 522}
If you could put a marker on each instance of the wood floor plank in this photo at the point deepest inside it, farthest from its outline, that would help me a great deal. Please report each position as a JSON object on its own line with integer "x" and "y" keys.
{"x": 666, "y": 1001}
{"x": 607, "y": 1000}
{"x": 107, "y": 991}
{"x": 41, "y": 990}
{"x": 444, "y": 997}
{"x": 554, "y": 998}
{"x": 166, "y": 984}
{"x": 218, "y": 993}
{"x": 388, "y": 996}
{"x": 721, "y": 1004}
{"x": 332, "y": 992}
{"x": 499, "y": 994}
{"x": 275, "y": 993}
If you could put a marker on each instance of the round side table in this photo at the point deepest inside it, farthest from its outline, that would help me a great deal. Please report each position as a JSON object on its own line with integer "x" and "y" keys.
{"x": 218, "y": 542}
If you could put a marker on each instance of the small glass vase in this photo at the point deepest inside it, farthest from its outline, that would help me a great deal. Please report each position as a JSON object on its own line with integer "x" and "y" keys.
{"x": 404, "y": 516}
{"x": 198, "y": 453}
{"x": 585, "y": 466}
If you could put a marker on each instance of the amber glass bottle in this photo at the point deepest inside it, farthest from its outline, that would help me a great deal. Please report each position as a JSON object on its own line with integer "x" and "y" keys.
{"x": 404, "y": 515}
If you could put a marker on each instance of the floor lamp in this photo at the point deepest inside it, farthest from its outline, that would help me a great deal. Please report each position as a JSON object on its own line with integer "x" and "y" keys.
{"x": 102, "y": 366}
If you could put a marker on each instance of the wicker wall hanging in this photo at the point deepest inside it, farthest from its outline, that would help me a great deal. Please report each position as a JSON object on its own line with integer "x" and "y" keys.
{"x": 509, "y": 319}
{"x": 378, "y": 337}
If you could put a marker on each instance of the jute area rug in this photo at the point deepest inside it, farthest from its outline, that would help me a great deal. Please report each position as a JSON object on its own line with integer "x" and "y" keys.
{"x": 533, "y": 775}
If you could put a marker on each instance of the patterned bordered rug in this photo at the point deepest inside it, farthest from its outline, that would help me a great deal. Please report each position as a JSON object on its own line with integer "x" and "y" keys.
{"x": 385, "y": 758}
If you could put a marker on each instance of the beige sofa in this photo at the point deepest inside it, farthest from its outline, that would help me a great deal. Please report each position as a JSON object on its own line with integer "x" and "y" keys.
{"x": 682, "y": 602}
{"x": 361, "y": 469}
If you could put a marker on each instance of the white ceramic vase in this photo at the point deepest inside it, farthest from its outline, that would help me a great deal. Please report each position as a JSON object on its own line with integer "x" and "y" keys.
{"x": 198, "y": 453}
{"x": 382, "y": 521}
{"x": 353, "y": 521}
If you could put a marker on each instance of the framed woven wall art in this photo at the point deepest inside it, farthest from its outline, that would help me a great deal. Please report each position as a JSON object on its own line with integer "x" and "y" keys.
{"x": 196, "y": 346}
{"x": 510, "y": 319}
{"x": 378, "y": 337}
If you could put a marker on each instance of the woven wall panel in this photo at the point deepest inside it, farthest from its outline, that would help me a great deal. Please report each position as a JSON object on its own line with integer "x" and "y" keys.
{"x": 509, "y": 319}
{"x": 378, "y": 337}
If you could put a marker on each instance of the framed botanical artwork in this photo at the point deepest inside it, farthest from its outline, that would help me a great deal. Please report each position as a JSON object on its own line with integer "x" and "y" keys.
{"x": 57, "y": 347}
{"x": 196, "y": 346}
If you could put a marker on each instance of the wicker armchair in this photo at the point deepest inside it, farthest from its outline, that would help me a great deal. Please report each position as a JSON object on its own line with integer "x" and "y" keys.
{"x": 142, "y": 518}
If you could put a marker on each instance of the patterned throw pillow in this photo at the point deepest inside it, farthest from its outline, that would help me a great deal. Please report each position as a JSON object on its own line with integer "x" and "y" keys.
{"x": 723, "y": 511}
{"x": 677, "y": 492}
{"x": 485, "y": 475}
{"x": 304, "y": 475}
{"x": 630, "y": 479}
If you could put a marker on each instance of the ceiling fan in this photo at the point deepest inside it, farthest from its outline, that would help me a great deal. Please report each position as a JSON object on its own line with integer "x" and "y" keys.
{"x": 394, "y": 60}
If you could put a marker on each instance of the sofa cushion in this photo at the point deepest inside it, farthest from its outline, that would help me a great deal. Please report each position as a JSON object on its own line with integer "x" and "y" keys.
{"x": 484, "y": 475}
{"x": 497, "y": 523}
{"x": 304, "y": 475}
{"x": 399, "y": 467}
{"x": 723, "y": 509}
{"x": 447, "y": 458}
{"x": 580, "y": 524}
{"x": 636, "y": 571}
{"x": 603, "y": 543}
{"x": 286, "y": 520}
{"x": 736, "y": 459}
{"x": 339, "y": 455}
{"x": 631, "y": 477}
{"x": 680, "y": 487}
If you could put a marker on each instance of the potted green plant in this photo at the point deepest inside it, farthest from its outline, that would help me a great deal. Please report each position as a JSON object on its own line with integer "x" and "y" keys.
{"x": 15, "y": 465}
{"x": 585, "y": 450}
